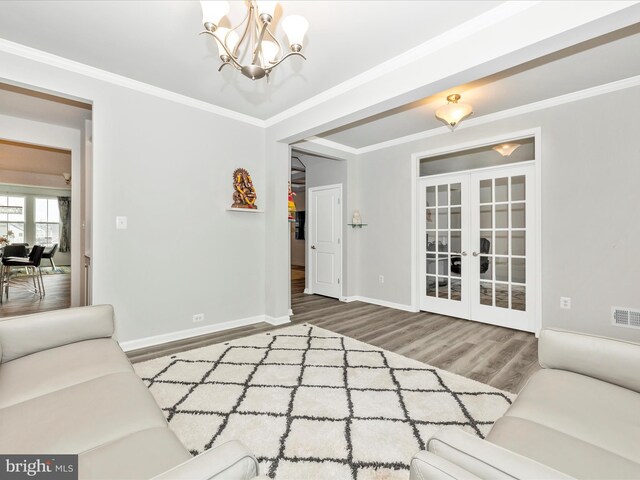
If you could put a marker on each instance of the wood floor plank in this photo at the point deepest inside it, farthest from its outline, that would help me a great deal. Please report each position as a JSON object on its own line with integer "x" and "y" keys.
{"x": 501, "y": 357}
{"x": 57, "y": 289}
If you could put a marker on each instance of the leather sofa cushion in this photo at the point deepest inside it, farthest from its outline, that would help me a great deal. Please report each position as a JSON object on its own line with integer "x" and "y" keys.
{"x": 595, "y": 412}
{"x": 50, "y": 370}
{"x": 80, "y": 417}
{"x": 143, "y": 454}
{"x": 560, "y": 451}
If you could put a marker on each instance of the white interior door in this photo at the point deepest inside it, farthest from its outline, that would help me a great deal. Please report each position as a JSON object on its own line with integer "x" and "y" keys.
{"x": 477, "y": 232}
{"x": 325, "y": 249}
{"x": 503, "y": 247}
{"x": 444, "y": 228}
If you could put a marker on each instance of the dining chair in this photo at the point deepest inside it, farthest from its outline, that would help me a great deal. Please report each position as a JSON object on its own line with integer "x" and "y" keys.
{"x": 49, "y": 252}
{"x": 31, "y": 264}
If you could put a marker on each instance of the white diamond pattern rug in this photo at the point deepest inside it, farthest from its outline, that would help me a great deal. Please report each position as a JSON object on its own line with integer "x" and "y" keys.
{"x": 312, "y": 404}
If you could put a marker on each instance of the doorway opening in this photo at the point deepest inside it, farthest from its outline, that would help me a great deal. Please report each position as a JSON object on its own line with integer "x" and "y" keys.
{"x": 317, "y": 231}
{"x": 297, "y": 224}
{"x": 478, "y": 229}
{"x": 45, "y": 155}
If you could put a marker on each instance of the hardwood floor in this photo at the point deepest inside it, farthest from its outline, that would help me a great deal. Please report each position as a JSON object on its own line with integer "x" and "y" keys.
{"x": 497, "y": 356}
{"x": 22, "y": 302}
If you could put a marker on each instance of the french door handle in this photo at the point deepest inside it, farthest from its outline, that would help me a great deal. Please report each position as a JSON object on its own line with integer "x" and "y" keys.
{"x": 313, "y": 247}
{"x": 475, "y": 254}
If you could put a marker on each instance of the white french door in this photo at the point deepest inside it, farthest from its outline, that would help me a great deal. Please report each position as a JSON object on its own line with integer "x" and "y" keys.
{"x": 477, "y": 232}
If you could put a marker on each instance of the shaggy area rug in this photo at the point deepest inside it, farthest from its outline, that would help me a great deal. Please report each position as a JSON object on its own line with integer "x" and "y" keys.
{"x": 312, "y": 404}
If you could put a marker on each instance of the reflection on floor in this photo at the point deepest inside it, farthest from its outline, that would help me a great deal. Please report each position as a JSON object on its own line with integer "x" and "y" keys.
{"x": 297, "y": 279}
{"x": 518, "y": 293}
{"x": 23, "y": 302}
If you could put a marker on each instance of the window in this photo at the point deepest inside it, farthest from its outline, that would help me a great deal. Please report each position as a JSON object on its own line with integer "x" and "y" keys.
{"x": 12, "y": 218}
{"x": 47, "y": 221}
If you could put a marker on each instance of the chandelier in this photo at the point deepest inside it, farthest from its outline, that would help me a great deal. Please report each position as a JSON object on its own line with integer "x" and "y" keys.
{"x": 251, "y": 47}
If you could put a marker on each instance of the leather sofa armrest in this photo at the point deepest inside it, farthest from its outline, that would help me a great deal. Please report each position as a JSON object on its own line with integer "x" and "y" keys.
{"x": 229, "y": 461}
{"x": 486, "y": 460}
{"x": 609, "y": 360}
{"x": 428, "y": 466}
{"x": 24, "y": 335}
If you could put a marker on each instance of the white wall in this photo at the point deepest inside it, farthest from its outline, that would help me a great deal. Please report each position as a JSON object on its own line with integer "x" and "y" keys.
{"x": 168, "y": 168}
{"x": 590, "y": 224}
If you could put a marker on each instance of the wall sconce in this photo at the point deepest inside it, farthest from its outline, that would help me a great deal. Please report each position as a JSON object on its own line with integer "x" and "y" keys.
{"x": 453, "y": 112}
{"x": 506, "y": 149}
{"x": 67, "y": 178}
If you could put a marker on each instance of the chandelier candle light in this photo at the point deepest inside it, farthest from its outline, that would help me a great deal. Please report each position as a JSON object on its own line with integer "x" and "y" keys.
{"x": 253, "y": 36}
{"x": 453, "y": 112}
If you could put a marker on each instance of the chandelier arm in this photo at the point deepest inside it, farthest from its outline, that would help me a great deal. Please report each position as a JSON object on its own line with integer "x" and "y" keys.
{"x": 283, "y": 59}
{"x": 258, "y": 49}
{"x": 280, "y": 50}
{"x": 246, "y": 19}
{"x": 232, "y": 59}
{"x": 224, "y": 64}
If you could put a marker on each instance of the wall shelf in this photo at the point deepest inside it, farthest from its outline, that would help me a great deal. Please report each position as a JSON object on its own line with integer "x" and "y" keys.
{"x": 357, "y": 225}
{"x": 244, "y": 210}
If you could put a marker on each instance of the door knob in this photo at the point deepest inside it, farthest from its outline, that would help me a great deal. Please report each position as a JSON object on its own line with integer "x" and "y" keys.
{"x": 313, "y": 247}
{"x": 475, "y": 254}
{"x": 464, "y": 254}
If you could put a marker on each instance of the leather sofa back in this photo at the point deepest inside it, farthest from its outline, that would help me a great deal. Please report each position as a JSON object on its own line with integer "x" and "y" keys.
{"x": 609, "y": 360}
{"x": 20, "y": 336}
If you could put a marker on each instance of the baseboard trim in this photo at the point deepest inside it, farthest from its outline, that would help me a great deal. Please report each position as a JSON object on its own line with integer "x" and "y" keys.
{"x": 277, "y": 320}
{"x": 382, "y": 303}
{"x": 307, "y": 292}
{"x": 191, "y": 332}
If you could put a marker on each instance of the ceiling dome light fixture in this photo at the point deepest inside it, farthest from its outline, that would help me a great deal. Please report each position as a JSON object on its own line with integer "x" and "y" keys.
{"x": 252, "y": 37}
{"x": 453, "y": 112}
{"x": 506, "y": 149}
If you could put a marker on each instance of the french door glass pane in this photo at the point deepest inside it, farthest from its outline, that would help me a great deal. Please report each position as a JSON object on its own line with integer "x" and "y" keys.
{"x": 443, "y": 214}
{"x": 503, "y": 223}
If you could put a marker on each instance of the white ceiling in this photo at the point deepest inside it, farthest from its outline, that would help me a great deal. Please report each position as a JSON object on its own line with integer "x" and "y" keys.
{"x": 157, "y": 42}
{"x": 613, "y": 57}
{"x": 18, "y": 102}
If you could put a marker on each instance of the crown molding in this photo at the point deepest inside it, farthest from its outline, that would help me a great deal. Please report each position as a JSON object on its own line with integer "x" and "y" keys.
{"x": 491, "y": 117}
{"x": 483, "y": 21}
{"x": 122, "y": 81}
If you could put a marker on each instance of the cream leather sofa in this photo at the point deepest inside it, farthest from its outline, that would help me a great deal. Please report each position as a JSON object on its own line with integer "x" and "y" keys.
{"x": 67, "y": 387}
{"x": 578, "y": 417}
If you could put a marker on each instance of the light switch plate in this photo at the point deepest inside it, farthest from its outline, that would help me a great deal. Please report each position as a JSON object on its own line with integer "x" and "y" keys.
{"x": 121, "y": 223}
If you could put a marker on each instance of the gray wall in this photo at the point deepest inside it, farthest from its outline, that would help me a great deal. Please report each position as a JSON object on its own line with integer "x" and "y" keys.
{"x": 590, "y": 220}
{"x": 167, "y": 167}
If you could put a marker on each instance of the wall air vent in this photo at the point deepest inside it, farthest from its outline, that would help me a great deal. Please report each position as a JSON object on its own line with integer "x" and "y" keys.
{"x": 625, "y": 317}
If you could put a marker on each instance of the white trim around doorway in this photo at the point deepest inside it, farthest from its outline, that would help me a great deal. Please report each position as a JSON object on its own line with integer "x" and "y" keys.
{"x": 415, "y": 178}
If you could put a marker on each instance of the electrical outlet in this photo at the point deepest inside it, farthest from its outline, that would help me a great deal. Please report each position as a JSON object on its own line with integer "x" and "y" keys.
{"x": 198, "y": 317}
{"x": 565, "y": 302}
{"x": 380, "y": 278}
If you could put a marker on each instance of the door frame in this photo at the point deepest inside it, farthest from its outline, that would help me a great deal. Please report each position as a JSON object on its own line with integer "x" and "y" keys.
{"x": 415, "y": 179}
{"x": 310, "y": 232}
